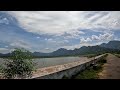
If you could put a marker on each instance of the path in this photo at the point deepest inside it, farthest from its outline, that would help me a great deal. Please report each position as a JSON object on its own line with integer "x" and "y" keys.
{"x": 111, "y": 70}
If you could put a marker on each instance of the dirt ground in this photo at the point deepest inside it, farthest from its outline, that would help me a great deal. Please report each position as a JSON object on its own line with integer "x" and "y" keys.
{"x": 111, "y": 70}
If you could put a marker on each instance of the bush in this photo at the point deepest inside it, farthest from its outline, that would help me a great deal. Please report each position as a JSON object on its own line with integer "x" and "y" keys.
{"x": 97, "y": 67}
{"x": 92, "y": 71}
{"x": 87, "y": 74}
{"x": 102, "y": 61}
{"x": 20, "y": 65}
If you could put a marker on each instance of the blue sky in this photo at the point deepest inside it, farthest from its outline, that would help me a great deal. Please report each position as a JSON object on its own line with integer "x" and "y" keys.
{"x": 47, "y": 31}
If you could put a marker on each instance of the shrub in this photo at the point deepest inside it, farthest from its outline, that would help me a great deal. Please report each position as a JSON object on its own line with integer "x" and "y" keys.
{"x": 20, "y": 65}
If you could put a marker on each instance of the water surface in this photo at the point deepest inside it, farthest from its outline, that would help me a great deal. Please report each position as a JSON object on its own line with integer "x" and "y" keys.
{"x": 45, "y": 62}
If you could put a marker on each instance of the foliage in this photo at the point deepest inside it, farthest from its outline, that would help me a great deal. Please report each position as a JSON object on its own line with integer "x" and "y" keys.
{"x": 20, "y": 65}
{"x": 87, "y": 74}
{"x": 91, "y": 72}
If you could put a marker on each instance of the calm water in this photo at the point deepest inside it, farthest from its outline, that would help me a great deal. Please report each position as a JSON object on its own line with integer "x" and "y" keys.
{"x": 45, "y": 62}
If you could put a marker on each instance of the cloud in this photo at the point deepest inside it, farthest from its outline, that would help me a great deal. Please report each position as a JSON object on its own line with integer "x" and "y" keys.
{"x": 102, "y": 37}
{"x": 73, "y": 34}
{"x": 59, "y": 22}
{"x": 83, "y": 40}
{"x": 106, "y": 36}
{"x": 50, "y": 41}
{"x": 72, "y": 47}
{"x": 20, "y": 44}
{"x": 94, "y": 37}
{"x": 57, "y": 43}
{"x": 56, "y": 29}
{"x": 47, "y": 48}
{"x": 4, "y": 21}
{"x": 38, "y": 37}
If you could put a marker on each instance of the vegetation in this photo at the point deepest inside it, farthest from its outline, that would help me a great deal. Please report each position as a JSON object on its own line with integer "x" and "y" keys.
{"x": 92, "y": 55}
{"x": 118, "y": 55}
{"x": 91, "y": 72}
{"x": 20, "y": 65}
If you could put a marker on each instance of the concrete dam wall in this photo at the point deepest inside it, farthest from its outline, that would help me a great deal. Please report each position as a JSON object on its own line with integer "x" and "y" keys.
{"x": 68, "y": 70}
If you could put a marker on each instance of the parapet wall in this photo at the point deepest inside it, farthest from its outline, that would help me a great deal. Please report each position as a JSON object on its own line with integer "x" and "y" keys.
{"x": 68, "y": 70}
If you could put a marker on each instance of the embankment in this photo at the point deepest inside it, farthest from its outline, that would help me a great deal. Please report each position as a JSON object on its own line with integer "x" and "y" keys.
{"x": 68, "y": 70}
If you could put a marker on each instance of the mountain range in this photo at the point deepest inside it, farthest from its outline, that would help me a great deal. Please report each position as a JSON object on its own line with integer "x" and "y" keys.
{"x": 110, "y": 47}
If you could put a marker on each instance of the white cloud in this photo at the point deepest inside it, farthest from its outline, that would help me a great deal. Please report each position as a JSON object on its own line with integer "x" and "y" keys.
{"x": 4, "y": 20}
{"x": 59, "y": 22}
{"x": 73, "y": 34}
{"x": 102, "y": 37}
{"x": 20, "y": 44}
{"x": 94, "y": 37}
{"x": 47, "y": 48}
{"x": 38, "y": 37}
{"x": 72, "y": 47}
{"x": 106, "y": 36}
{"x": 83, "y": 40}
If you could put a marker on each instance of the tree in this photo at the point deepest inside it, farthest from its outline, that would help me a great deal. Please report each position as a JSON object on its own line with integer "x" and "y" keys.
{"x": 20, "y": 65}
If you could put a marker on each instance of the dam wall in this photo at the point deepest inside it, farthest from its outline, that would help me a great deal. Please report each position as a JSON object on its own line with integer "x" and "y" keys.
{"x": 68, "y": 70}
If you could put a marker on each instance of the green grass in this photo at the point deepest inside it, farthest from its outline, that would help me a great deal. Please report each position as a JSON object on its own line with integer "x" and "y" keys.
{"x": 91, "y": 72}
{"x": 87, "y": 74}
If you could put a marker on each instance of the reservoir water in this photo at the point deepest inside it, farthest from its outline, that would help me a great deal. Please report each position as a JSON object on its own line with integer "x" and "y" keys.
{"x": 46, "y": 62}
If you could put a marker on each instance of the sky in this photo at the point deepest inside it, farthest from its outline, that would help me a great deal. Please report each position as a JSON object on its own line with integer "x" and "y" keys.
{"x": 47, "y": 31}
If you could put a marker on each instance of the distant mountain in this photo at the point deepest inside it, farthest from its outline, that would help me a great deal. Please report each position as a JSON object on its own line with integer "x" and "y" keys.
{"x": 83, "y": 51}
{"x": 40, "y": 54}
{"x": 111, "y": 45}
{"x": 60, "y": 52}
{"x": 98, "y": 49}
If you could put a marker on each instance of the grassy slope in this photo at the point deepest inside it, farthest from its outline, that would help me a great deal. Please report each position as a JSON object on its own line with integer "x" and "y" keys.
{"x": 91, "y": 72}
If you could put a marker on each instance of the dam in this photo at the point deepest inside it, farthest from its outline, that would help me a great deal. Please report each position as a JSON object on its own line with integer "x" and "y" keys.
{"x": 68, "y": 69}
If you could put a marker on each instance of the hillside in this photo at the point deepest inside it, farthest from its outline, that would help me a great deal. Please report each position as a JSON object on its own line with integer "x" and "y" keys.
{"x": 110, "y": 47}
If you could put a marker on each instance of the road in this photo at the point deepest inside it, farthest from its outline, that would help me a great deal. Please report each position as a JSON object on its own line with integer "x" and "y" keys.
{"x": 111, "y": 70}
